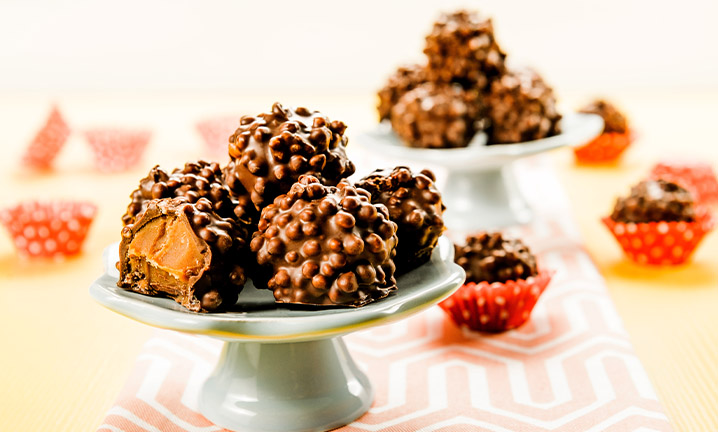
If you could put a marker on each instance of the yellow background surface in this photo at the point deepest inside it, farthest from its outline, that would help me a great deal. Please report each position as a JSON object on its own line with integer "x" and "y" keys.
{"x": 65, "y": 358}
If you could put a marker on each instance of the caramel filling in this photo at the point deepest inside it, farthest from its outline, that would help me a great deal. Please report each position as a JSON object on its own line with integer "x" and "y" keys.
{"x": 170, "y": 245}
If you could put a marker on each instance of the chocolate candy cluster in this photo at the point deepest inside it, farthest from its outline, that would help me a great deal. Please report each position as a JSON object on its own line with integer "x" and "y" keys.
{"x": 462, "y": 52}
{"x": 404, "y": 79}
{"x": 462, "y": 48}
{"x": 613, "y": 119}
{"x": 271, "y": 151}
{"x": 195, "y": 180}
{"x": 655, "y": 201}
{"x": 326, "y": 245}
{"x": 318, "y": 240}
{"x": 185, "y": 251}
{"x": 494, "y": 257}
{"x": 415, "y": 205}
{"x": 521, "y": 108}
{"x": 436, "y": 116}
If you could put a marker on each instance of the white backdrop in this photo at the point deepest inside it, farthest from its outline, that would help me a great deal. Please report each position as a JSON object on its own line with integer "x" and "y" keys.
{"x": 316, "y": 46}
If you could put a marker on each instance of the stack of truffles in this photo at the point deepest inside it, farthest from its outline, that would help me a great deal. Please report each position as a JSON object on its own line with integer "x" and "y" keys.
{"x": 465, "y": 87}
{"x": 282, "y": 213}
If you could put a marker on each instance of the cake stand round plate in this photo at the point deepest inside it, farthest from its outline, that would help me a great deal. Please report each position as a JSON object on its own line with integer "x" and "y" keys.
{"x": 285, "y": 368}
{"x": 480, "y": 190}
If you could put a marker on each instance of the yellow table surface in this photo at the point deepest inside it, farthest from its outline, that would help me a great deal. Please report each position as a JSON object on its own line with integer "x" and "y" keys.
{"x": 64, "y": 358}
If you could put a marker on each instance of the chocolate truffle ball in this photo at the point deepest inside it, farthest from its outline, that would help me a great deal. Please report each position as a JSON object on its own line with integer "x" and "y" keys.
{"x": 325, "y": 245}
{"x": 437, "y": 116}
{"x": 613, "y": 120}
{"x": 415, "y": 206}
{"x": 655, "y": 201}
{"x": 521, "y": 107}
{"x": 494, "y": 257}
{"x": 195, "y": 180}
{"x": 404, "y": 79}
{"x": 461, "y": 48}
{"x": 185, "y": 251}
{"x": 270, "y": 152}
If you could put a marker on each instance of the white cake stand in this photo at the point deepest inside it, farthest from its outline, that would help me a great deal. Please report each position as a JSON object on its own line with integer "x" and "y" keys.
{"x": 285, "y": 369}
{"x": 480, "y": 190}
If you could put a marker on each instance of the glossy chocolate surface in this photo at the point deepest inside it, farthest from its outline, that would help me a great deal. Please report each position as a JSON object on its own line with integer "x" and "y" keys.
{"x": 325, "y": 245}
{"x": 415, "y": 205}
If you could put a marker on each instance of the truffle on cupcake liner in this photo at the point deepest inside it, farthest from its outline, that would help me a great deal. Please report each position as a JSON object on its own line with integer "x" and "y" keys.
{"x": 50, "y": 229}
{"x": 661, "y": 243}
{"x": 614, "y": 140}
{"x": 698, "y": 177}
{"x": 607, "y": 147}
{"x": 496, "y": 307}
{"x": 48, "y": 142}
{"x": 117, "y": 150}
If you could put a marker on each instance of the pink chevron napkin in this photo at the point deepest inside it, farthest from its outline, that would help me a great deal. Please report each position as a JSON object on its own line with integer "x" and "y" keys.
{"x": 570, "y": 368}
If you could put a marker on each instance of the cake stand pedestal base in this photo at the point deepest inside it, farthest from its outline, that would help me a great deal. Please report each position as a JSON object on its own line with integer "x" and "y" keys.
{"x": 484, "y": 199}
{"x": 282, "y": 368}
{"x": 287, "y": 387}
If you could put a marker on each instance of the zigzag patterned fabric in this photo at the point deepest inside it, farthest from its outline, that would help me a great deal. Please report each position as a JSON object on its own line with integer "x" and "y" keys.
{"x": 570, "y": 368}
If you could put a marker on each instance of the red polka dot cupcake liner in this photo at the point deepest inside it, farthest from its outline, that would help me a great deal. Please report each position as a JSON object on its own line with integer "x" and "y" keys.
{"x": 660, "y": 243}
{"x": 117, "y": 150}
{"x": 215, "y": 133}
{"x": 47, "y": 143}
{"x": 607, "y": 147}
{"x": 698, "y": 177}
{"x": 48, "y": 229}
{"x": 495, "y": 307}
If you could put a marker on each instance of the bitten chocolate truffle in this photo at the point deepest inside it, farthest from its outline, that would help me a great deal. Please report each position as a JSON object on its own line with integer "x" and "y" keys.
{"x": 613, "y": 119}
{"x": 184, "y": 251}
{"x": 404, "y": 79}
{"x": 494, "y": 257}
{"x": 415, "y": 206}
{"x": 324, "y": 245}
{"x": 437, "y": 116}
{"x": 655, "y": 201}
{"x": 461, "y": 48}
{"x": 270, "y": 152}
{"x": 195, "y": 180}
{"x": 521, "y": 107}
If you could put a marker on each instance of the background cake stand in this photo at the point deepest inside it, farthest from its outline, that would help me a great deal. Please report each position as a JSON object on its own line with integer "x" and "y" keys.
{"x": 285, "y": 369}
{"x": 480, "y": 190}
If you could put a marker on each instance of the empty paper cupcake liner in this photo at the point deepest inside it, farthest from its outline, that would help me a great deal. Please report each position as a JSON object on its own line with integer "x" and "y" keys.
{"x": 495, "y": 307}
{"x": 47, "y": 143}
{"x": 606, "y": 147}
{"x": 699, "y": 178}
{"x": 660, "y": 243}
{"x": 117, "y": 149}
{"x": 48, "y": 229}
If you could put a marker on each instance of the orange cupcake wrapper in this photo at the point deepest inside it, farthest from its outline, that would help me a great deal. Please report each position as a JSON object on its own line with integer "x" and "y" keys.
{"x": 216, "y": 131}
{"x": 496, "y": 307}
{"x": 48, "y": 142}
{"x": 48, "y": 229}
{"x": 604, "y": 148}
{"x": 117, "y": 149}
{"x": 698, "y": 177}
{"x": 660, "y": 243}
